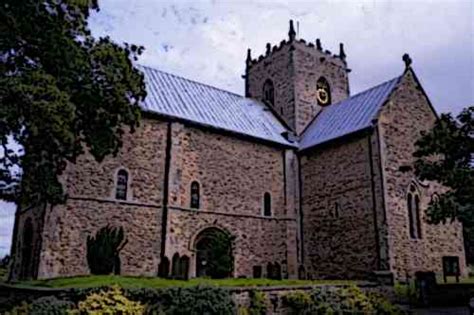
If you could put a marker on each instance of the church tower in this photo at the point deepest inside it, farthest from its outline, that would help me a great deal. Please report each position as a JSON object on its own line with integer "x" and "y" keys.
{"x": 297, "y": 79}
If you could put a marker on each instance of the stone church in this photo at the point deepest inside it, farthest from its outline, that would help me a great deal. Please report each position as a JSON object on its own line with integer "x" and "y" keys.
{"x": 308, "y": 180}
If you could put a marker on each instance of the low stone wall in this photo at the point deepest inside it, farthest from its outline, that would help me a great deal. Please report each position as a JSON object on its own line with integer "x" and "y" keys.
{"x": 13, "y": 295}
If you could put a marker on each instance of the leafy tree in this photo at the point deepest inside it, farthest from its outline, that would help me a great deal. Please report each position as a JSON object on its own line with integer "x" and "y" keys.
{"x": 446, "y": 155}
{"x": 62, "y": 92}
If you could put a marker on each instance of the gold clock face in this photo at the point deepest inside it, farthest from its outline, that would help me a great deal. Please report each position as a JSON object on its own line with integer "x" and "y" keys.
{"x": 323, "y": 93}
{"x": 322, "y": 96}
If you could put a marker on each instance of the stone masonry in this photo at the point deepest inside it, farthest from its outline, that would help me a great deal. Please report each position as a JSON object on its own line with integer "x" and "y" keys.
{"x": 337, "y": 209}
{"x": 403, "y": 118}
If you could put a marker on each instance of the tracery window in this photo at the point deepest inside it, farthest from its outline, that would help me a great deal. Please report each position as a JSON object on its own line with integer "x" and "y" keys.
{"x": 195, "y": 198}
{"x": 267, "y": 205}
{"x": 269, "y": 92}
{"x": 413, "y": 206}
{"x": 122, "y": 185}
{"x": 323, "y": 92}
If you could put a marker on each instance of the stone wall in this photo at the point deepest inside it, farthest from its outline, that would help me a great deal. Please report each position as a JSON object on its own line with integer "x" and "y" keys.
{"x": 92, "y": 205}
{"x": 401, "y": 122}
{"x": 278, "y": 67}
{"x": 310, "y": 64}
{"x": 233, "y": 175}
{"x": 339, "y": 235}
{"x": 294, "y": 68}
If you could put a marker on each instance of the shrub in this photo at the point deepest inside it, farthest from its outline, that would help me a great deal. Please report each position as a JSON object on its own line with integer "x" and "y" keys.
{"x": 406, "y": 293}
{"x": 103, "y": 251}
{"x": 351, "y": 300}
{"x": 299, "y": 302}
{"x": 193, "y": 300}
{"x": 22, "y": 309}
{"x": 110, "y": 301}
{"x": 50, "y": 305}
{"x": 257, "y": 303}
{"x": 383, "y": 306}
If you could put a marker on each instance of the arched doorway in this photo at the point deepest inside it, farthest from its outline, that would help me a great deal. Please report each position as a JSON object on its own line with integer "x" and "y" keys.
{"x": 214, "y": 254}
{"x": 27, "y": 250}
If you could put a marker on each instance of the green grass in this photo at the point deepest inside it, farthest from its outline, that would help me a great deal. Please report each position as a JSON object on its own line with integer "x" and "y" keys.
{"x": 152, "y": 282}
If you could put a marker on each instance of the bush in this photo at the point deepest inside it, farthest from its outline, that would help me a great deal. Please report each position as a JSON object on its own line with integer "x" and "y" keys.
{"x": 349, "y": 300}
{"x": 407, "y": 293}
{"x": 257, "y": 303}
{"x": 299, "y": 302}
{"x": 110, "y": 301}
{"x": 383, "y": 306}
{"x": 193, "y": 300}
{"x": 50, "y": 305}
{"x": 22, "y": 309}
{"x": 103, "y": 251}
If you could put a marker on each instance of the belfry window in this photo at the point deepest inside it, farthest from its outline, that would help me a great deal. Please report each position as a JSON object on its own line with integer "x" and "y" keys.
{"x": 268, "y": 92}
{"x": 413, "y": 205}
{"x": 195, "y": 195}
{"x": 323, "y": 92}
{"x": 267, "y": 205}
{"x": 121, "y": 185}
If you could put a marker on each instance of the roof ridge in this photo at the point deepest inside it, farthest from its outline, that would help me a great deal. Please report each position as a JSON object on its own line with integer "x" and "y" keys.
{"x": 190, "y": 80}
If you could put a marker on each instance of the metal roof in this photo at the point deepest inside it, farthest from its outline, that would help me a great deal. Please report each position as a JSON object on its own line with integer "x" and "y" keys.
{"x": 348, "y": 116}
{"x": 182, "y": 98}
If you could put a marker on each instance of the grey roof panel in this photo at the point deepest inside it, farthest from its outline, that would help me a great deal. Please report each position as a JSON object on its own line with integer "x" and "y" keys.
{"x": 181, "y": 98}
{"x": 348, "y": 116}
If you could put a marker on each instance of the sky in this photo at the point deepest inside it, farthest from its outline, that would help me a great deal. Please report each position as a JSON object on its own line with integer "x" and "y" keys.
{"x": 207, "y": 41}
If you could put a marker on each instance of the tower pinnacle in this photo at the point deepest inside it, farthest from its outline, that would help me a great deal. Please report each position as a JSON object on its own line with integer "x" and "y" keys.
{"x": 291, "y": 32}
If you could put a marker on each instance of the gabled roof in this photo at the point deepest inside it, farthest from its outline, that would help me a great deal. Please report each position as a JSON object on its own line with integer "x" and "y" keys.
{"x": 348, "y": 116}
{"x": 178, "y": 97}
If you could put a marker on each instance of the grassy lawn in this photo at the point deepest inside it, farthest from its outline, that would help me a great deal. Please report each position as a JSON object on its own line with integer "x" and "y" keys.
{"x": 152, "y": 282}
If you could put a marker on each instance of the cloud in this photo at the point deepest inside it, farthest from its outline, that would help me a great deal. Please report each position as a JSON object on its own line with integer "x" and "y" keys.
{"x": 209, "y": 38}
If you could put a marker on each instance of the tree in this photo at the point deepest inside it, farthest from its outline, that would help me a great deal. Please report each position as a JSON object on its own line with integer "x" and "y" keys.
{"x": 62, "y": 93}
{"x": 103, "y": 250}
{"x": 446, "y": 155}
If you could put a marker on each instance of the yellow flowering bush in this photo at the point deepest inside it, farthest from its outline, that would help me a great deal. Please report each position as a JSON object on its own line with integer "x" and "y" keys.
{"x": 110, "y": 301}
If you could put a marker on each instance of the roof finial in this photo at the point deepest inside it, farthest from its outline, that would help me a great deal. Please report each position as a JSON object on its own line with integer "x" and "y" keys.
{"x": 249, "y": 57}
{"x": 318, "y": 44}
{"x": 342, "y": 54}
{"x": 269, "y": 49}
{"x": 291, "y": 32}
{"x": 407, "y": 60}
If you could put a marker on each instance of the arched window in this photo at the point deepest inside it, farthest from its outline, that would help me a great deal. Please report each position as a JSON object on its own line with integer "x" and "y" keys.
{"x": 413, "y": 206}
{"x": 268, "y": 92}
{"x": 195, "y": 195}
{"x": 122, "y": 185}
{"x": 267, "y": 205}
{"x": 323, "y": 92}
